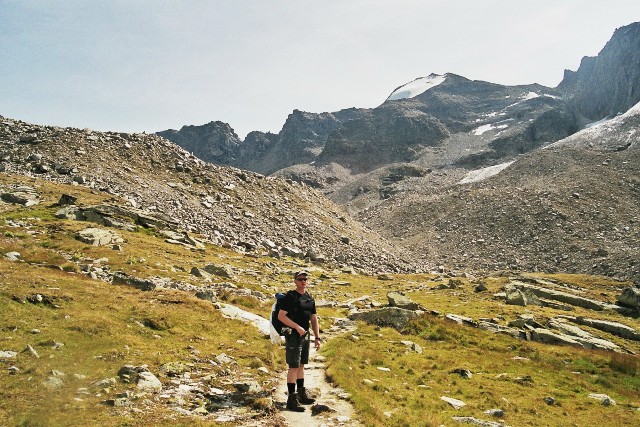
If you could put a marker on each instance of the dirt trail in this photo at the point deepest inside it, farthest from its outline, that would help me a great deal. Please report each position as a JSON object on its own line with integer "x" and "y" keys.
{"x": 328, "y": 395}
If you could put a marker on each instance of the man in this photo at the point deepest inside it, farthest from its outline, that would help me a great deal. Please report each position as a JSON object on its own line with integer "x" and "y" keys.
{"x": 297, "y": 311}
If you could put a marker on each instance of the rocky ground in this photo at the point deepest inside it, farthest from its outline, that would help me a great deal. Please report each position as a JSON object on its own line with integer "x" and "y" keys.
{"x": 572, "y": 207}
{"x": 237, "y": 209}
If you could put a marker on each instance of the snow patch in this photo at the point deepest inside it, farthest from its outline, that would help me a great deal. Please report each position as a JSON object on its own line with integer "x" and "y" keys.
{"x": 484, "y": 173}
{"x": 530, "y": 95}
{"x": 416, "y": 87}
{"x": 632, "y": 111}
{"x": 492, "y": 126}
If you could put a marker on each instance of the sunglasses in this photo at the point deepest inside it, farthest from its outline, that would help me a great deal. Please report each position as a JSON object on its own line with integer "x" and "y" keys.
{"x": 301, "y": 279}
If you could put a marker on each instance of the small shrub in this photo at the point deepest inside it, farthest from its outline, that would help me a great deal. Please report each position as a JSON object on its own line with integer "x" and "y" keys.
{"x": 624, "y": 363}
{"x": 161, "y": 324}
{"x": 603, "y": 382}
{"x": 70, "y": 267}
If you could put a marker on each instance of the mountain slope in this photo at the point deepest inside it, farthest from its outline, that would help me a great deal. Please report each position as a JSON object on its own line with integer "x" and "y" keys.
{"x": 570, "y": 207}
{"x": 238, "y": 209}
{"x": 607, "y": 85}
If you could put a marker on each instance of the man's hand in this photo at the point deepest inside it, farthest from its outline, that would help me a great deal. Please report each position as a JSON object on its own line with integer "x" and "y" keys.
{"x": 301, "y": 330}
{"x": 317, "y": 343}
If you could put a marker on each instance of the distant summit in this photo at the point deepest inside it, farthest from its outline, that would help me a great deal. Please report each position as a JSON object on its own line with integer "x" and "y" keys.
{"x": 411, "y": 167}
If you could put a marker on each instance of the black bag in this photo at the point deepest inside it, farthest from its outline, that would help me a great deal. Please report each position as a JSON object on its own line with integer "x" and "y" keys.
{"x": 275, "y": 308}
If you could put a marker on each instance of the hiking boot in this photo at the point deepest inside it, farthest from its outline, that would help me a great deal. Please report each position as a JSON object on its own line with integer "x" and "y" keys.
{"x": 304, "y": 398}
{"x": 293, "y": 405}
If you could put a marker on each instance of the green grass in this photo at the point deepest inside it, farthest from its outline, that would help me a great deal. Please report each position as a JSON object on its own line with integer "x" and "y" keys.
{"x": 415, "y": 382}
{"x": 104, "y": 327}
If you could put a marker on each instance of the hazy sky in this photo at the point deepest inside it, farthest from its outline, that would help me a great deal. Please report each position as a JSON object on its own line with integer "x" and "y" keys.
{"x": 150, "y": 65}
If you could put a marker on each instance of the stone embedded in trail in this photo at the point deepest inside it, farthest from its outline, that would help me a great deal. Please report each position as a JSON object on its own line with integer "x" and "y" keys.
{"x": 248, "y": 387}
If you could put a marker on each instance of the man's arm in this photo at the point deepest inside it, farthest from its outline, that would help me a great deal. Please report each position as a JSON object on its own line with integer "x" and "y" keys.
{"x": 316, "y": 329}
{"x": 282, "y": 316}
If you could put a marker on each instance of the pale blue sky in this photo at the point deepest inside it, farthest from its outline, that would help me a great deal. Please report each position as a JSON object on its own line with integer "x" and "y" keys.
{"x": 150, "y": 65}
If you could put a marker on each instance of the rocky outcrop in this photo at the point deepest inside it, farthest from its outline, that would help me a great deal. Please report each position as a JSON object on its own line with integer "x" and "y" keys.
{"x": 392, "y": 317}
{"x": 98, "y": 237}
{"x": 630, "y": 297}
{"x": 157, "y": 184}
{"x": 213, "y": 142}
{"x": 21, "y": 195}
{"x": 607, "y": 85}
{"x": 383, "y": 135}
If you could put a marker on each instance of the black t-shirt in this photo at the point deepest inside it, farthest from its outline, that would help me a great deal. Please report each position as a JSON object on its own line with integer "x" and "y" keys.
{"x": 299, "y": 307}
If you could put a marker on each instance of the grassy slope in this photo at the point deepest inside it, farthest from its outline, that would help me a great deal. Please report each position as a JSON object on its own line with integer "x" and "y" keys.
{"x": 102, "y": 328}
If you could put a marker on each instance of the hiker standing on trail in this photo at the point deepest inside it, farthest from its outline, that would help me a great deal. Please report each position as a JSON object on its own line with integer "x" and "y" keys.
{"x": 297, "y": 311}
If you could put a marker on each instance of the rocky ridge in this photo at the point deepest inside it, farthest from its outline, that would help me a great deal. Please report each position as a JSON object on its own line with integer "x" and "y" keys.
{"x": 237, "y": 209}
{"x": 571, "y": 207}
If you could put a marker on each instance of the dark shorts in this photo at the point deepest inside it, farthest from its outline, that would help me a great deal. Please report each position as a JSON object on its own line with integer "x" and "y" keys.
{"x": 297, "y": 349}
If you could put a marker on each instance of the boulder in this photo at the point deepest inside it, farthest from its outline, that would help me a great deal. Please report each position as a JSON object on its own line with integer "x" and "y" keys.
{"x": 397, "y": 299}
{"x": 563, "y": 297}
{"x": 8, "y": 355}
{"x": 98, "y": 237}
{"x": 21, "y": 195}
{"x": 393, "y": 317}
{"x": 122, "y": 278}
{"x": 614, "y": 328}
{"x": 457, "y": 404}
{"x": 12, "y": 256}
{"x": 220, "y": 270}
{"x": 233, "y": 312}
{"x": 630, "y": 297}
{"x": 603, "y": 398}
{"x": 148, "y": 382}
{"x": 548, "y": 337}
{"x": 521, "y": 297}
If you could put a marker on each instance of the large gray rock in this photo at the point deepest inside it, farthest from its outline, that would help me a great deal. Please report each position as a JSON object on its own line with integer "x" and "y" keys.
{"x": 521, "y": 297}
{"x": 21, "y": 195}
{"x": 392, "y": 317}
{"x": 98, "y": 237}
{"x": 122, "y": 278}
{"x": 549, "y": 337}
{"x": 220, "y": 270}
{"x": 614, "y": 328}
{"x": 630, "y": 297}
{"x": 233, "y": 312}
{"x": 563, "y": 297}
{"x": 397, "y": 299}
{"x": 148, "y": 382}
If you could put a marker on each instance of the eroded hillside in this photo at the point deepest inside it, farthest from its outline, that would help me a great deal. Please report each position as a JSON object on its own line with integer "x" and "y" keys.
{"x": 237, "y": 209}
